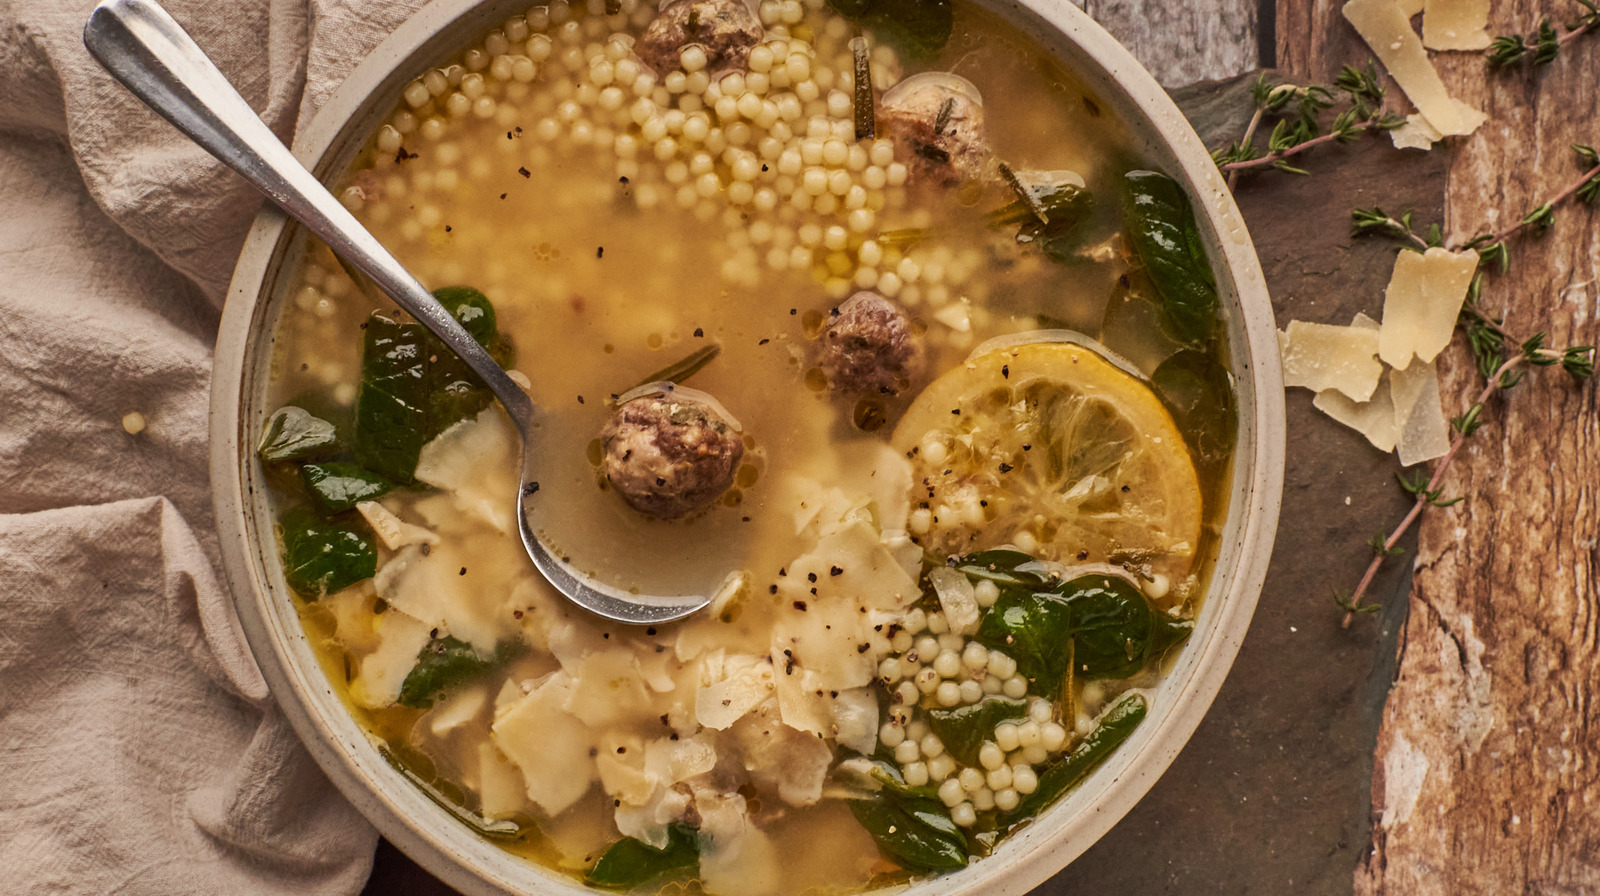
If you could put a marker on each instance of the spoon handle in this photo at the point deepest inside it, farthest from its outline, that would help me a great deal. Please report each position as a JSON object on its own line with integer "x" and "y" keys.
{"x": 150, "y": 53}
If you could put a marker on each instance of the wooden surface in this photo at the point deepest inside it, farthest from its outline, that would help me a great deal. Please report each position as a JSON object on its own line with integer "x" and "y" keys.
{"x": 1487, "y": 759}
{"x": 1184, "y": 42}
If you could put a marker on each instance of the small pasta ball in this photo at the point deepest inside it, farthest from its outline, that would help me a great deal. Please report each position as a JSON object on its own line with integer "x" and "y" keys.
{"x": 916, "y": 774}
{"x": 927, "y": 646}
{"x": 971, "y": 691}
{"x": 889, "y": 670}
{"x": 1005, "y": 736}
{"x": 931, "y": 746}
{"x": 1006, "y": 800}
{"x": 983, "y": 800}
{"x": 907, "y": 751}
{"x": 971, "y": 780}
{"x": 937, "y": 623}
{"x": 941, "y": 767}
{"x": 951, "y": 793}
{"x": 1028, "y": 733}
{"x": 1016, "y": 687}
{"x": 998, "y": 778}
{"x": 948, "y": 694}
{"x": 986, "y": 593}
{"x": 1035, "y": 754}
{"x": 1024, "y": 779}
{"x": 974, "y": 656}
{"x": 1040, "y": 710}
{"x": 927, "y": 680}
{"x": 964, "y": 815}
{"x": 990, "y": 756}
{"x": 947, "y": 664}
{"x": 891, "y": 735}
{"x": 1053, "y": 736}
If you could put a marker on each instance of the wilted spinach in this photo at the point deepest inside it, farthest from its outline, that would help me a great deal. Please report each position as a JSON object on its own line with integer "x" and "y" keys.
{"x": 391, "y": 408}
{"x": 337, "y": 486}
{"x": 1113, "y": 727}
{"x": 1066, "y": 205}
{"x": 321, "y": 557}
{"x": 919, "y": 29}
{"x": 915, "y": 832}
{"x": 1004, "y": 568}
{"x": 1163, "y": 233}
{"x": 1033, "y": 628}
{"x": 629, "y": 862}
{"x": 293, "y": 433}
{"x": 1115, "y": 631}
{"x": 963, "y": 729}
{"x": 1197, "y": 391}
{"x": 445, "y": 664}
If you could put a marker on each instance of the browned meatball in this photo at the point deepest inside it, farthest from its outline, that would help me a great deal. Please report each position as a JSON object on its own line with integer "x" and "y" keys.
{"x": 726, "y": 29}
{"x": 670, "y": 453}
{"x": 936, "y": 122}
{"x": 869, "y": 347}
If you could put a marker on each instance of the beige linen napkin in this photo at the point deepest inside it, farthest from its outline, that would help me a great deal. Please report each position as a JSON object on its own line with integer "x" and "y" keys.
{"x": 139, "y": 750}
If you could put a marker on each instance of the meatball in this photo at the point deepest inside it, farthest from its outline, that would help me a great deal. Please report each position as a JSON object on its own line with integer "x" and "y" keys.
{"x": 726, "y": 29}
{"x": 869, "y": 347}
{"x": 936, "y": 122}
{"x": 670, "y": 453}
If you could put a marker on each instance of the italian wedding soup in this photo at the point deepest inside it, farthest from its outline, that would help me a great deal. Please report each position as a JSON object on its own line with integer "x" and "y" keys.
{"x": 864, "y": 311}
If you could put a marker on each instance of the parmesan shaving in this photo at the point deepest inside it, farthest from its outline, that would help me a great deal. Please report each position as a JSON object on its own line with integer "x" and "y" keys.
{"x": 1386, "y": 28}
{"x": 1322, "y": 357}
{"x": 394, "y": 532}
{"x": 1411, "y": 7}
{"x": 1416, "y": 133}
{"x": 1423, "y": 432}
{"x": 1373, "y": 418}
{"x": 1422, "y": 303}
{"x": 551, "y": 747}
{"x": 500, "y": 789}
{"x": 1455, "y": 24}
{"x": 957, "y": 597}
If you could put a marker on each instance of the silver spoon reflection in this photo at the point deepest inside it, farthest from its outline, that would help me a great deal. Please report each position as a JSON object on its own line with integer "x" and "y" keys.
{"x": 141, "y": 46}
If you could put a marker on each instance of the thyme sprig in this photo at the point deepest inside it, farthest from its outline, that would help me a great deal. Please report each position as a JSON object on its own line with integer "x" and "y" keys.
{"x": 1299, "y": 112}
{"x": 1543, "y": 46}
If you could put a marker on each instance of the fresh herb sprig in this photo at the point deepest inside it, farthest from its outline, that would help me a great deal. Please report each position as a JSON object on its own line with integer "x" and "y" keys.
{"x": 1544, "y": 45}
{"x": 1299, "y": 112}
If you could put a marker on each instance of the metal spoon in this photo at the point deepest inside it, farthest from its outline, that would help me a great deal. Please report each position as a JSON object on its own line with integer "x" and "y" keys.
{"x": 144, "y": 48}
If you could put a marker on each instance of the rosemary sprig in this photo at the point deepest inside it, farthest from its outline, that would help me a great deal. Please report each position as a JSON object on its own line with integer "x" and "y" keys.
{"x": 1543, "y": 46}
{"x": 1299, "y": 112}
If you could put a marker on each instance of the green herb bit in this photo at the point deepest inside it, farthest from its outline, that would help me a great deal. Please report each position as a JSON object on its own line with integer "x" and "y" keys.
{"x": 337, "y": 486}
{"x": 917, "y": 833}
{"x": 866, "y": 111}
{"x": 494, "y": 829}
{"x": 294, "y": 433}
{"x": 1023, "y": 193}
{"x": 679, "y": 371}
{"x": 320, "y": 557}
{"x": 963, "y": 729}
{"x": 1115, "y": 630}
{"x": 1048, "y": 216}
{"x": 629, "y": 862}
{"x": 447, "y": 663}
{"x": 1165, "y": 236}
{"x": 1114, "y": 727}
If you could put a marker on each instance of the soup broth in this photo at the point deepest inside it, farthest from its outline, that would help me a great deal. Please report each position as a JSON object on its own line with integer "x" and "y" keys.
{"x": 965, "y": 516}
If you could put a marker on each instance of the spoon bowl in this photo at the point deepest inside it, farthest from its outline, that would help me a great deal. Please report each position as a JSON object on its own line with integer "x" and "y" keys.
{"x": 144, "y": 48}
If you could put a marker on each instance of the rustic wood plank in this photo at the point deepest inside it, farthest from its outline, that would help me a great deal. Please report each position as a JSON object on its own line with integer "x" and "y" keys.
{"x": 1487, "y": 774}
{"x": 1314, "y": 41}
{"x": 1183, "y": 42}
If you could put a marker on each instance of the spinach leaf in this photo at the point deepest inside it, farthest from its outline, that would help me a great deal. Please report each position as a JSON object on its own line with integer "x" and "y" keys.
{"x": 293, "y": 433}
{"x": 1066, "y": 205}
{"x": 337, "y": 486}
{"x": 391, "y": 409}
{"x": 419, "y": 770}
{"x": 1033, "y": 628}
{"x": 1197, "y": 391}
{"x": 1163, "y": 234}
{"x": 472, "y": 310}
{"x": 963, "y": 729}
{"x": 1004, "y": 568}
{"x": 917, "y": 833}
{"x": 1114, "y": 629}
{"x": 320, "y": 557}
{"x": 454, "y": 391}
{"x": 629, "y": 862}
{"x": 1113, "y": 727}
{"x": 445, "y": 664}
{"x": 919, "y": 29}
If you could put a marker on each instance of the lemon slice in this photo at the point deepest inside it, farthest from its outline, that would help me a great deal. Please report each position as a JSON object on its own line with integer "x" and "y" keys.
{"x": 1050, "y": 447}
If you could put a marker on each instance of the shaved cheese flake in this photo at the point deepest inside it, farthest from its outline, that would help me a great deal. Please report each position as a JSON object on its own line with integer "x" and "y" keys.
{"x": 458, "y": 710}
{"x": 779, "y": 758}
{"x": 743, "y": 683}
{"x": 648, "y": 823}
{"x": 672, "y": 761}
{"x": 1422, "y": 303}
{"x": 1373, "y": 418}
{"x": 802, "y": 699}
{"x": 394, "y": 532}
{"x": 476, "y": 461}
{"x": 735, "y": 855}
{"x": 1416, "y": 133}
{"x": 548, "y": 744}
{"x": 500, "y": 788}
{"x": 855, "y": 720}
{"x": 610, "y": 689}
{"x": 1321, "y": 357}
{"x": 1455, "y": 24}
{"x": 1411, "y": 7}
{"x": 621, "y": 763}
{"x": 1423, "y": 432}
{"x": 400, "y": 639}
{"x": 1387, "y": 30}
{"x": 957, "y": 597}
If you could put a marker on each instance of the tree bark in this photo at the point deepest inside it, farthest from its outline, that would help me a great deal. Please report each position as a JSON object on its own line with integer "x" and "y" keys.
{"x": 1487, "y": 768}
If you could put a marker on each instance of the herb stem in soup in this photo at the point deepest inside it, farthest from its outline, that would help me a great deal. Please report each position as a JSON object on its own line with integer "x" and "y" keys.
{"x": 957, "y": 546}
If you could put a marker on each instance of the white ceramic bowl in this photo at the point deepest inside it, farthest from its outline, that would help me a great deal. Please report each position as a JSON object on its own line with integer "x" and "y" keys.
{"x": 450, "y": 850}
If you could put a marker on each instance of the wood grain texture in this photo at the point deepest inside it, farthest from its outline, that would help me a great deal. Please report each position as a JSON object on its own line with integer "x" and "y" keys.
{"x": 1181, "y": 43}
{"x": 1487, "y": 769}
{"x": 1314, "y": 41}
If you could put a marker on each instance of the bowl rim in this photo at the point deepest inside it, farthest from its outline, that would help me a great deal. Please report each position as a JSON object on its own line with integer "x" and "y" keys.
{"x": 467, "y": 862}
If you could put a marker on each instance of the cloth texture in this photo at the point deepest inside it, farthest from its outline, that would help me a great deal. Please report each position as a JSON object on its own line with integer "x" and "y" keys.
{"x": 140, "y": 752}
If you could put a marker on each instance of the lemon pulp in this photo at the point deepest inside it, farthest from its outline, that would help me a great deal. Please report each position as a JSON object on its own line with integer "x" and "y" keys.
{"x": 1049, "y": 447}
